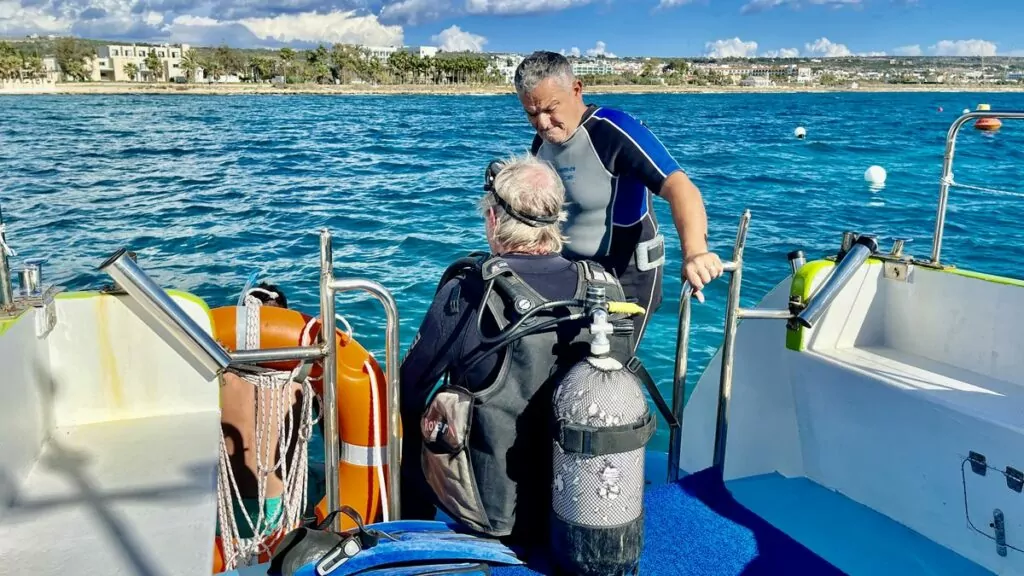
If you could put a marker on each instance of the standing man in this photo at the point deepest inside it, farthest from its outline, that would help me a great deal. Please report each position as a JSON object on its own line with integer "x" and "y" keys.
{"x": 611, "y": 164}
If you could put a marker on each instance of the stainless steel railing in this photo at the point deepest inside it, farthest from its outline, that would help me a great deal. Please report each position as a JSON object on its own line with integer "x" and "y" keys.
{"x": 947, "y": 172}
{"x": 818, "y": 303}
{"x": 211, "y": 359}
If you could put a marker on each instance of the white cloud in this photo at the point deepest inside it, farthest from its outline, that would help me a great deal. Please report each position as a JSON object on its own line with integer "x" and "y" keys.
{"x": 911, "y": 50}
{"x": 731, "y": 48}
{"x": 762, "y": 5}
{"x": 455, "y": 39}
{"x": 520, "y": 6}
{"x": 964, "y": 48}
{"x": 413, "y": 12}
{"x": 870, "y": 54}
{"x": 328, "y": 27}
{"x": 663, "y": 4}
{"x": 783, "y": 53}
{"x": 599, "y": 49}
{"x": 18, "y": 20}
{"x": 826, "y": 48}
{"x": 574, "y": 52}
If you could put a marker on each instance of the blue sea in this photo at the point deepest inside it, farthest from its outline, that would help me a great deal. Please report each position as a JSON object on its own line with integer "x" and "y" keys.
{"x": 209, "y": 189}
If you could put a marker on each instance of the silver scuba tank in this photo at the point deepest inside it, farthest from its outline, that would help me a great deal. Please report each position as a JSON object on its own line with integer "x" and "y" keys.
{"x": 602, "y": 425}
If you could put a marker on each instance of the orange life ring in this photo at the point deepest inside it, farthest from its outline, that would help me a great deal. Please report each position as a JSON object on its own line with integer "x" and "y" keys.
{"x": 358, "y": 483}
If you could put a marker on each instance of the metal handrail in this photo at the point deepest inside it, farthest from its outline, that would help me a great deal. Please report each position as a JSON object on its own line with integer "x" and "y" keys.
{"x": 947, "y": 171}
{"x": 733, "y": 314}
{"x": 329, "y": 288}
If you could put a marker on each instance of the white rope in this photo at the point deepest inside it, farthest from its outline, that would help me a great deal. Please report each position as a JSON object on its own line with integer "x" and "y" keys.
{"x": 10, "y": 251}
{"x": 951, "y": 182}
{"x": 378, "y": 455}
{"x": 273, "y": 410}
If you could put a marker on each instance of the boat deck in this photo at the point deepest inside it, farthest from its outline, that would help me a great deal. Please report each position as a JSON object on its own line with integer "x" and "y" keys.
{"x": 121, "y": 497}
{"x": 697, "y": 527}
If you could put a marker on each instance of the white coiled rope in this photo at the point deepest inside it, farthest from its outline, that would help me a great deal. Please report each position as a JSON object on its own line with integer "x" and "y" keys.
{"x": 273, "y": 403}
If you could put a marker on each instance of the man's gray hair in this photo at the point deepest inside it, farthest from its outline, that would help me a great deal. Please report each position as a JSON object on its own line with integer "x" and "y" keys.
{"x": 540, "y": 66}
{"x": 533, "y": 188}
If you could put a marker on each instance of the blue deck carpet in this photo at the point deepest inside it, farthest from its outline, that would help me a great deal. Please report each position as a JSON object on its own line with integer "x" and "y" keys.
{"x": 695, "y": 527}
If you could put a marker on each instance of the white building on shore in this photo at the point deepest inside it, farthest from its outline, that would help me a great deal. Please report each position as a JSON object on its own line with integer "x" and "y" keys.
{"x": 382, "y": 53}
{"x": 110, "y": 62}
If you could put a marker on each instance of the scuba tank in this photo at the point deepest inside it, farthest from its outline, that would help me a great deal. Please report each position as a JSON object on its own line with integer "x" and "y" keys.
{"x": 602, "y": 425}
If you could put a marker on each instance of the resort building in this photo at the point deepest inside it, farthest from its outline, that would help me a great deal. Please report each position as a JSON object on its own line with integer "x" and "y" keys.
{"x": 111, "y": 62}
{"x": 585, "y": 67}
{"x": 382, "y": 53}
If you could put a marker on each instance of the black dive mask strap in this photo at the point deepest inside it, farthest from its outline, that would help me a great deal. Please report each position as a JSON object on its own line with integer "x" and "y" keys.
{"x": 532, "y": 221}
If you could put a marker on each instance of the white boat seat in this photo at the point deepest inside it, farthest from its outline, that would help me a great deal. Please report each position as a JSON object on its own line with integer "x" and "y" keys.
{"x": 131, "y": 496}
{"x": 983, "y": 397}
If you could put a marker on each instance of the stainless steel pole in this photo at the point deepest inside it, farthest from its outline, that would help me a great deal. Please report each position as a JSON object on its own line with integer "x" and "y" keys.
{"x": 332, "y": 449}
{"x": 675, "y": 438}
{"x": 729, "y": 346}
{"x": 391, "y": 352}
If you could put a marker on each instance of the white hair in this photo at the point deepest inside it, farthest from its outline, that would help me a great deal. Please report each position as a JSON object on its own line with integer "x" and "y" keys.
{"x": 540, "y": 66}
{"x": 533, "y": 188}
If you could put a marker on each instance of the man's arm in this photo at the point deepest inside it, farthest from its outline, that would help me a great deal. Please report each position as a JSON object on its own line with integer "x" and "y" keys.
{"x": 433, "y": 348}
{"x": 700, "y": 266}
{"x": 634, "y": 149}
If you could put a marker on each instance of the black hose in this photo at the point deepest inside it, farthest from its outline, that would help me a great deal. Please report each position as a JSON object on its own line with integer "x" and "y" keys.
{"x": 498, "y": 337}
{"x": 507, "y": 337}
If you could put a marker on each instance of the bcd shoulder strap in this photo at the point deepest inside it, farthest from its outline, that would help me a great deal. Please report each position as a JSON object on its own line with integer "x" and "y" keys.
{"x": 510, "y": 290}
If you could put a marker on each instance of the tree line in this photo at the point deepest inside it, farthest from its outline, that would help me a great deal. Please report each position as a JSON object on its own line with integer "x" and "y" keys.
{"x": 343, "y": 63}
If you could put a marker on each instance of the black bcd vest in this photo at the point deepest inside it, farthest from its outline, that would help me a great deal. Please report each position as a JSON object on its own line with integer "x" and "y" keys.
{"x": 487, "y": 448}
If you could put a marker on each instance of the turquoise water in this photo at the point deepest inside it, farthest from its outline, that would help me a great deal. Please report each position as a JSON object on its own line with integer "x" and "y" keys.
{"x": 208, "y": 189}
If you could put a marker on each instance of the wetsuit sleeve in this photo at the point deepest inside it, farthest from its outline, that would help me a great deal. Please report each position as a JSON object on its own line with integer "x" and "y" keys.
{"x": 436, "y": 345}
{"x": 535, "y": 146}
{"x": 628, "y": 147}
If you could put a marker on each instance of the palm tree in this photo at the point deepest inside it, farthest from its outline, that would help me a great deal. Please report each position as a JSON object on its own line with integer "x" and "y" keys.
{"x": 10, "y": 61}
{"x": 131, "y": 70}
{"x": 154, "y": 66}
{"x": 189, "y": 63}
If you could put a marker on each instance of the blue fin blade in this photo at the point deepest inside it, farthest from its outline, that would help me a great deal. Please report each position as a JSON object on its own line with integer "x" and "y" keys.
{"x": 390, "y": 555}
{"x": 455, "y": 569}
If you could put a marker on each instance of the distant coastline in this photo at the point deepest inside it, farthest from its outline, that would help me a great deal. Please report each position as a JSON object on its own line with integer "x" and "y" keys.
{"x": 112, "y": 88}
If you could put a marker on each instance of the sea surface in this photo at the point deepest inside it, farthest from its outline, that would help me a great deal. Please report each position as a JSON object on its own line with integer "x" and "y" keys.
{"x": 209, "y": 189}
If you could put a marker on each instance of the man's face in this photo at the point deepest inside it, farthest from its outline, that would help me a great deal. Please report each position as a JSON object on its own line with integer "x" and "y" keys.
{"x": 554, "y": 110}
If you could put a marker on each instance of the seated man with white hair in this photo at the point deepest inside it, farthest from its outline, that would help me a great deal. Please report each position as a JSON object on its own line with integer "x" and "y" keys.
{"x": 490, "y": 467}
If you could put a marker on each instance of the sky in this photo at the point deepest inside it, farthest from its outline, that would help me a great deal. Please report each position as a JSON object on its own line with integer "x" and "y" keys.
{"x": 614, "y": 28}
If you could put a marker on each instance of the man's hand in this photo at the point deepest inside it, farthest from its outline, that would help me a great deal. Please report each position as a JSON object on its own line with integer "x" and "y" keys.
{"x": 700, "y": 269}
{"x": 700, "y": 266}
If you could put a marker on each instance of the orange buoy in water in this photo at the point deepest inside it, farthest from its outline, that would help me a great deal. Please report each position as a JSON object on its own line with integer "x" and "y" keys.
{"x": 987, "y": 124}
{"x": 362, "y": 399}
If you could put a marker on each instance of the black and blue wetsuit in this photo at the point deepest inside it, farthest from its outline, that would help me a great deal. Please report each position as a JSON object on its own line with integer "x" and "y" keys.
{"x": 611, "y": 167}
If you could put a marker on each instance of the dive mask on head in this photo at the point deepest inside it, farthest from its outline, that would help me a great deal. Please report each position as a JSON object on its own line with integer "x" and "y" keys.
{"x": 533, "y": 221}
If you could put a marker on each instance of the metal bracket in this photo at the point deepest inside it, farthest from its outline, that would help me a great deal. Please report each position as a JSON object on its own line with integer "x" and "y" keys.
{"x": 46, "y": 319}
{"x": 999, "y": 526}
{"x": 898, "y": 271}
{"x": 978, "y": 463}
{"x": 1014, "y": 479}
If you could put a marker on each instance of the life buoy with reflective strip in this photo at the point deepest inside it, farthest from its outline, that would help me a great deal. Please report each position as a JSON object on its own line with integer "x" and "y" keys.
{"x": 359, "y": 374}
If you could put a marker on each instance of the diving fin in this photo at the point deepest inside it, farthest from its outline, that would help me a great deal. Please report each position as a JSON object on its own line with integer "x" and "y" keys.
{"x": 387, "y": 548}
{"x": 456, "y": 569}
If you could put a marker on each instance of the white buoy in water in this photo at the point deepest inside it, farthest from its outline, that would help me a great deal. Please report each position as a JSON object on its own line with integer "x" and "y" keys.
{"x": 800, "y": 132}
{"x": 875, "y": 175}
{"x": 967, "y": 110}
